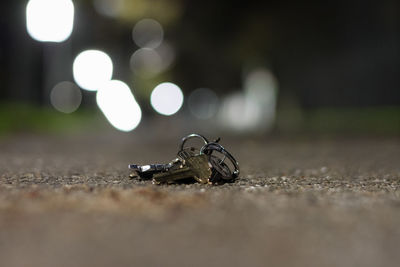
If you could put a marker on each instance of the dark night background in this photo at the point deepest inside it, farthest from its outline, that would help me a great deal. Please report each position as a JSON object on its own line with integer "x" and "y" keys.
{"x": 336, "y": 56}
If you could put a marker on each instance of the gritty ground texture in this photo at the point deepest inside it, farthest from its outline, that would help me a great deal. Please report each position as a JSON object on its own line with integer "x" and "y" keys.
{"x": 68, "y": 201}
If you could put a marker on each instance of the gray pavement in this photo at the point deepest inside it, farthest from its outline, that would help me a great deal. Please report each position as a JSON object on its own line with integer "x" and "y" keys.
{"x": 68, "y": 201}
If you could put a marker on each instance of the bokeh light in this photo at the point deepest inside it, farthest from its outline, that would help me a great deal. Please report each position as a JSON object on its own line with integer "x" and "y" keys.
{"x": 91, "y": 69}
{"x": 261, "y": 89}
{"x": 50, "y": 20}
{"x": 254, "y": 109}
{"x": 65, "y": 97}
{"x": 167, "y": 54}
{"x": 146, "y": 62}
{"x": 148, "y": 33}
{"x": 240, "y": 113}
{"x": 109, "y": 8}
{"x": 118, "y": 105}
{"x": 166, "y": 98}
{"x": 203, "y": 103}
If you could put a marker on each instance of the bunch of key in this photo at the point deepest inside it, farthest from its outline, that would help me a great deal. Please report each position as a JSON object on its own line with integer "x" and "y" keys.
{"x": 209, "y": 164}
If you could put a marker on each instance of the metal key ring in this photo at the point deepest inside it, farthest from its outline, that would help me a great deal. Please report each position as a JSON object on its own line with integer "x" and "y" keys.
{"x": 209, "y": 147}
{"x": 190, "y": 136}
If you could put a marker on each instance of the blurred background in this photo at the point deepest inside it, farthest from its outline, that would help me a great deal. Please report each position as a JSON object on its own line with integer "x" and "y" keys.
{"x": 238, "y": 67}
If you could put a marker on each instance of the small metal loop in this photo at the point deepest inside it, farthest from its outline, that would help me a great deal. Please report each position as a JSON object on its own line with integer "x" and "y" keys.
{"x": 184, "y": 153}
{"x": 190, "y": 136}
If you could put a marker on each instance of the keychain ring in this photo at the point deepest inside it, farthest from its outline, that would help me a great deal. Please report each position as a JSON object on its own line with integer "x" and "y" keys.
{"x": 191, "y": 136}
{"x": 209, "y": 147}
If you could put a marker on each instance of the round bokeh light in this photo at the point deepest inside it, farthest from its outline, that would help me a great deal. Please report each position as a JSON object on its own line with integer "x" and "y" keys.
{"x": 91, "y": 69}
{"x": 65, "y": 97}
{"x": 50, "y": 20}
{"x": 145, "y": 62}
{"x": 148, "y": 33}
{"x": 166, "y": 98}
{"x": 203, "y": 103}
{"x": 109, "y": 8}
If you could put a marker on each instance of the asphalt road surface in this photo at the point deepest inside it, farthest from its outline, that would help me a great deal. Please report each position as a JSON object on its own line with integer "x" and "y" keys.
{"x": 68, "y": 201}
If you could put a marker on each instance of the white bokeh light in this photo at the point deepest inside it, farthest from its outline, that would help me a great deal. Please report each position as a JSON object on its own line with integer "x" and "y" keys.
{"x": 240, "y": 113}
{"x": 254, "y": 109}
{"x": 166, "y": 98}
{"x": 261, "y": 88}
{"x": 65, "y": 97}
{"x": 148, "y": 33}
{"x": 50, "y": 20}
{"x": 91, "y": 69}
{"x": 119, "y": 106}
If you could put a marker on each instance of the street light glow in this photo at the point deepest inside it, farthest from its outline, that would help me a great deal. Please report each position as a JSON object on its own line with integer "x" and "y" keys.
{"x": 166, "y": 98}
{"x": 50, "y": 20}
{"x": 118, "y": 105}
{"x": 91, "y": 69}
